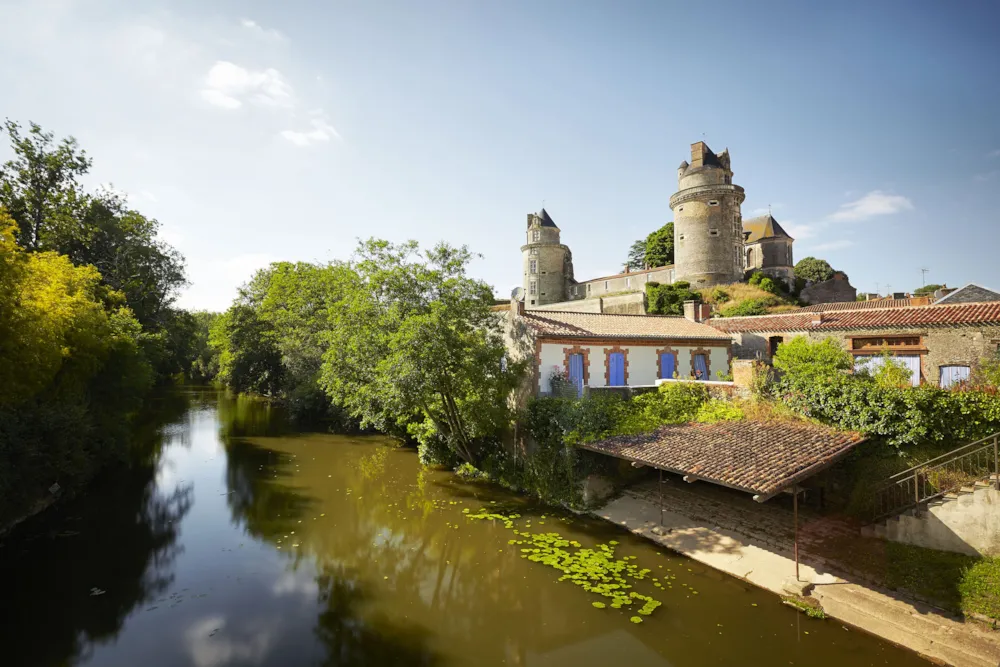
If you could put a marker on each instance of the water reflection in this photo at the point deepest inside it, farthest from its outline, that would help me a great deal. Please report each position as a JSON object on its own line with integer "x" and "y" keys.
{"x": 259, "y": 546}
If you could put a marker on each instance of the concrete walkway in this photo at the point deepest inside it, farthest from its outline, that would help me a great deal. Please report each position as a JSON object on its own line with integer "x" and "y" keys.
{"x": 921, "y": 628}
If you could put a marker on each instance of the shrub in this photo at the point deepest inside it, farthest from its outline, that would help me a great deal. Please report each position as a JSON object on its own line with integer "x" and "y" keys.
{"x": 720, "y": 295}
{"x": 768, "y": 285}
{"x": 805, "y": 361}
{"x": 755, "y": 278}
{"x": 745, "y": 308}
{"x": 717, "y": 410}
{"x": 668, "y": 299}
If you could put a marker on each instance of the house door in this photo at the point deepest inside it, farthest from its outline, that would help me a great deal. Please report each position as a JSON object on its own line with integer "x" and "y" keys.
{"x": 667, "y": 366}
{"x": 616, "y": 369}
{"x": 576, "y": 372}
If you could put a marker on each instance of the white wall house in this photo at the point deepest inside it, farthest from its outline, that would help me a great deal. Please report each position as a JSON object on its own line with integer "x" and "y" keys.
{"x": 602, "y": 350}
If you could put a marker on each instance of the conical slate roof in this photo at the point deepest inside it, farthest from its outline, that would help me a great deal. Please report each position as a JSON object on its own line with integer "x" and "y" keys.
{"x": 546, "y": 219}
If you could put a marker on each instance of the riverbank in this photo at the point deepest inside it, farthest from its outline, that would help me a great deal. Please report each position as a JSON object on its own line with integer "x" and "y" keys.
{"x": 918, "y": 627}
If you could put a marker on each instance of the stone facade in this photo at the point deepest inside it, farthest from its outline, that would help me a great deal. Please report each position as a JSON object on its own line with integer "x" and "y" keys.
{"x": 630, "y": 281}
{"x": 547, "y": 264}
{"x": 708, "y": 224}
{"x": 834, "y": 290}
{"x": 936, "y": 346}
{"x": 768, "y": 249}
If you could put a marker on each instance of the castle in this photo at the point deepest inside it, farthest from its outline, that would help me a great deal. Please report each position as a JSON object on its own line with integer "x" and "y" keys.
{"x": 713, "y": 245}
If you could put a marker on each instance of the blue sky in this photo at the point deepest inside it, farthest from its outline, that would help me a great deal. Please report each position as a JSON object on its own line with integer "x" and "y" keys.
{"x": 258, "y": 131}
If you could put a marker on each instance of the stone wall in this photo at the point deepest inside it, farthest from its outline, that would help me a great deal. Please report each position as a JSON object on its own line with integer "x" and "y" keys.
{"x": 945, "y": 346}
{"x": 634, "y": 281}
{"x": 835, "y": 290}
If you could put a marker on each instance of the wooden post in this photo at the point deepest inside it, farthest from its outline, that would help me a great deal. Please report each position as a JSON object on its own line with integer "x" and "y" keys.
{"x": 660, "y": 487}
{"x": 795, "y": 505}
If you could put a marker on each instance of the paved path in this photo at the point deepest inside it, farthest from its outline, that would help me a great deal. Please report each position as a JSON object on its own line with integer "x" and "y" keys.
{"x": 753, "y": 542}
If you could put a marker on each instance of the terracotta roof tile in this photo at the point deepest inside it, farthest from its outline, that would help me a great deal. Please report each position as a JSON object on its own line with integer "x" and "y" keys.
{"x": 603, "y": 325}
{"x": 866, "y": 305}
{"x": 913, "y": 316}
{"x": 759, "y": 458}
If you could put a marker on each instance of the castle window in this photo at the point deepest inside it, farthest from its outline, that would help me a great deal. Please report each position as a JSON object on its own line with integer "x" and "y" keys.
{"x": 680, "y": 237}
{"x": 533, "y": 287}
{"x": 605, "y": 285}
{"x": 588, "y": 289}
{"x": 533, "y": 251}
{"x": 714, "y": 202}
{"x": 680, "y": 208}
{"x": 628, "y": 282}
{"x": 534, "y": 266}
{"x": 536, "y": 235}
{"x": 713, "y": 232}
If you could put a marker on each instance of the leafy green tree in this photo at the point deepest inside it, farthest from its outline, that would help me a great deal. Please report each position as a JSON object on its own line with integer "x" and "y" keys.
{"x": 249, "y": 358}
{"x": 413, "y": 344}
{"x": 927, "y": 290}
{"x": 813, "y": 270}
{"x": 660, "y": 246}
{"x": 205, "y": 364}
{"x": 637, "y": 256}
{"x": 39, "y": 187}
{"x": 668, "y": 299}
{"x": 806, "y": 361}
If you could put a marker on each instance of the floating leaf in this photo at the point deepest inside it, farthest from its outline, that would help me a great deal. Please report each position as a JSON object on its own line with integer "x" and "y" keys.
{"x": 635, "y": 619}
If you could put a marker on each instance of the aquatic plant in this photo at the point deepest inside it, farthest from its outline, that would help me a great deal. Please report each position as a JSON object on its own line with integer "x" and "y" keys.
{"x": 595, "y": 570}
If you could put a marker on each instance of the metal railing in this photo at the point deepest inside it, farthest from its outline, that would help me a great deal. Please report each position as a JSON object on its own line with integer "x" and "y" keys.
{"x": 962, "y": 467}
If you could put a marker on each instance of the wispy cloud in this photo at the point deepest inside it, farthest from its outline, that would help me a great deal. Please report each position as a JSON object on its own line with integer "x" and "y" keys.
{"x": 987, "y": 176}
{"x": 872, "y": 204}
{"x": 800, "y": 232}
{"x": 320, "y": 131}
{"x": 268, "y": 34}
{"x": 228, "y": 86}
{"x": 839, "y": 244}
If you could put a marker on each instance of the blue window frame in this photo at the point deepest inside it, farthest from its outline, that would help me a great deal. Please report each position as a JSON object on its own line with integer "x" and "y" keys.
{"x": 616, "y": 369}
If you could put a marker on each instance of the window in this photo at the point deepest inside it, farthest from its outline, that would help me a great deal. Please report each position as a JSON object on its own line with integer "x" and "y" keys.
{"x": 700, "y": 367}
{"x": 772, "y": 345}
{"x": 533, "y": 251}
{"x": 668, "y": 365}
{"x": 871, "y": 364}
{"x": 892, "y": 342}
{"x": 573, "y": 291}
{"x": 680, "y": 208}
{"x": 576, "y": 372}
{"x": 714, "y": 202}
{"x": 713, "y": 232}
{"x": 534, "y": 266}
{"x": 588, "y": 289}
{"x": 749, "y": 258}
{"x": 605, "y": 285}
{"x": 532, "y": 287}
{"x": 680, "y": 237}
{"x": 952, "y": 375}
{"x": 536, "y": 235}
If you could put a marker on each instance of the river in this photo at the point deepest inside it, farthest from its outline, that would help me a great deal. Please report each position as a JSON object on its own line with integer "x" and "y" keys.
{"x": 238, "y": 541}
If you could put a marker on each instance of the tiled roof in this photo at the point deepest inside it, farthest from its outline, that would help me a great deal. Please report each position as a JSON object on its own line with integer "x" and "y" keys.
{"x": 913, "y": 316}
{"x": 637, "y": 272}
{"x": 969, "y": 293}
{"x": 759, "y": 458}
{"x": 603, "y": 325}
{"x": 763, "y": 227}
{"x": 866, "y": 305}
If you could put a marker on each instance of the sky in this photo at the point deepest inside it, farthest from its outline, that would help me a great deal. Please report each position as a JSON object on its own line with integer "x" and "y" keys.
{"x": 263, "y": 131}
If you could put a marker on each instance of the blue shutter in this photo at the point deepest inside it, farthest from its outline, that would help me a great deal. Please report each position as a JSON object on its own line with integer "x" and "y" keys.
{"x": 576, "y": 372}
{"x": 912, "y": 363}
{"x": 616, "y": 369}
{"x": 667, "y": 365}
{"x": 700, "y": 364}
{"x": 951, "y": 375}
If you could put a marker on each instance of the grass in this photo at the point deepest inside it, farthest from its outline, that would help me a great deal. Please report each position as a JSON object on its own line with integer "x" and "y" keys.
{"x": 809, "y": 608}
{"x": 980, "y": 589}
{"x": 740, "y": 292}
{"x": 932, "y": 575}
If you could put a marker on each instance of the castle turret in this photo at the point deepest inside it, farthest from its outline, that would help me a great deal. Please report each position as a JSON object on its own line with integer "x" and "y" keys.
{"x": 548, "y": 265}
{"x": 708, "y": 226}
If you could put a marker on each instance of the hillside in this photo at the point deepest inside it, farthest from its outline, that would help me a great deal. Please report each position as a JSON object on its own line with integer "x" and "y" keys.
{"x": 744, "y": 299}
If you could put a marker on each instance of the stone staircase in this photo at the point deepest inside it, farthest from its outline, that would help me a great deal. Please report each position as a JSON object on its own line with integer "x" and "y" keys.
{"x": 965, "y": 520}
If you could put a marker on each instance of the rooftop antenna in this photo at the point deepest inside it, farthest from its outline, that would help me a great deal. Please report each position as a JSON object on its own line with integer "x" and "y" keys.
{"x": 923, "y": 277}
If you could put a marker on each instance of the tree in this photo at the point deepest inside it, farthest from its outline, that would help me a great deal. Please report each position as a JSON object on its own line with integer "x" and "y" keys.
{"x": 669, "y": 299}
{"x": 805, "y": 361}
{"x": 813, "y": 270}
{"x": 927, "y": 290}
{"x": 249, "y": 359}
{"x": 637, "y": 256}
{"x": 39, "y": 186}
{"x": 413, "y": 344}
{"x": 660, "y": 246}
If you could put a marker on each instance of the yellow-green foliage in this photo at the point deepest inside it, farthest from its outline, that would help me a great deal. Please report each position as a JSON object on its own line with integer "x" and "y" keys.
{"x": 731, "y": 297}
{"x": 717, "y": 410}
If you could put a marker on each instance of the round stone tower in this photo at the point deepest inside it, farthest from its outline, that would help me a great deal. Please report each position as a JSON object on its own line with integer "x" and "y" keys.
{"x": 708, "y": 226}
{"x": 548, "y": 264}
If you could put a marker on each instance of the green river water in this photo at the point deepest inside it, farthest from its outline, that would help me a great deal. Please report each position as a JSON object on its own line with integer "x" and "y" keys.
{"x": 241, "y": 542}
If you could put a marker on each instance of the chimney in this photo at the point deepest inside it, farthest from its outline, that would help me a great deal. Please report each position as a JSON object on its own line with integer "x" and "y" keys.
{"x": 696, "y": 311}
{"x": 698, "y": 152}
{"x": 817, "y": 318}
{"x": 517, "y": 306}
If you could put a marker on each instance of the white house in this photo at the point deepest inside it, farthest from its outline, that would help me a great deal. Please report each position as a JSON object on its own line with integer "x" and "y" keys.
{"x": 609, "y": 350}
